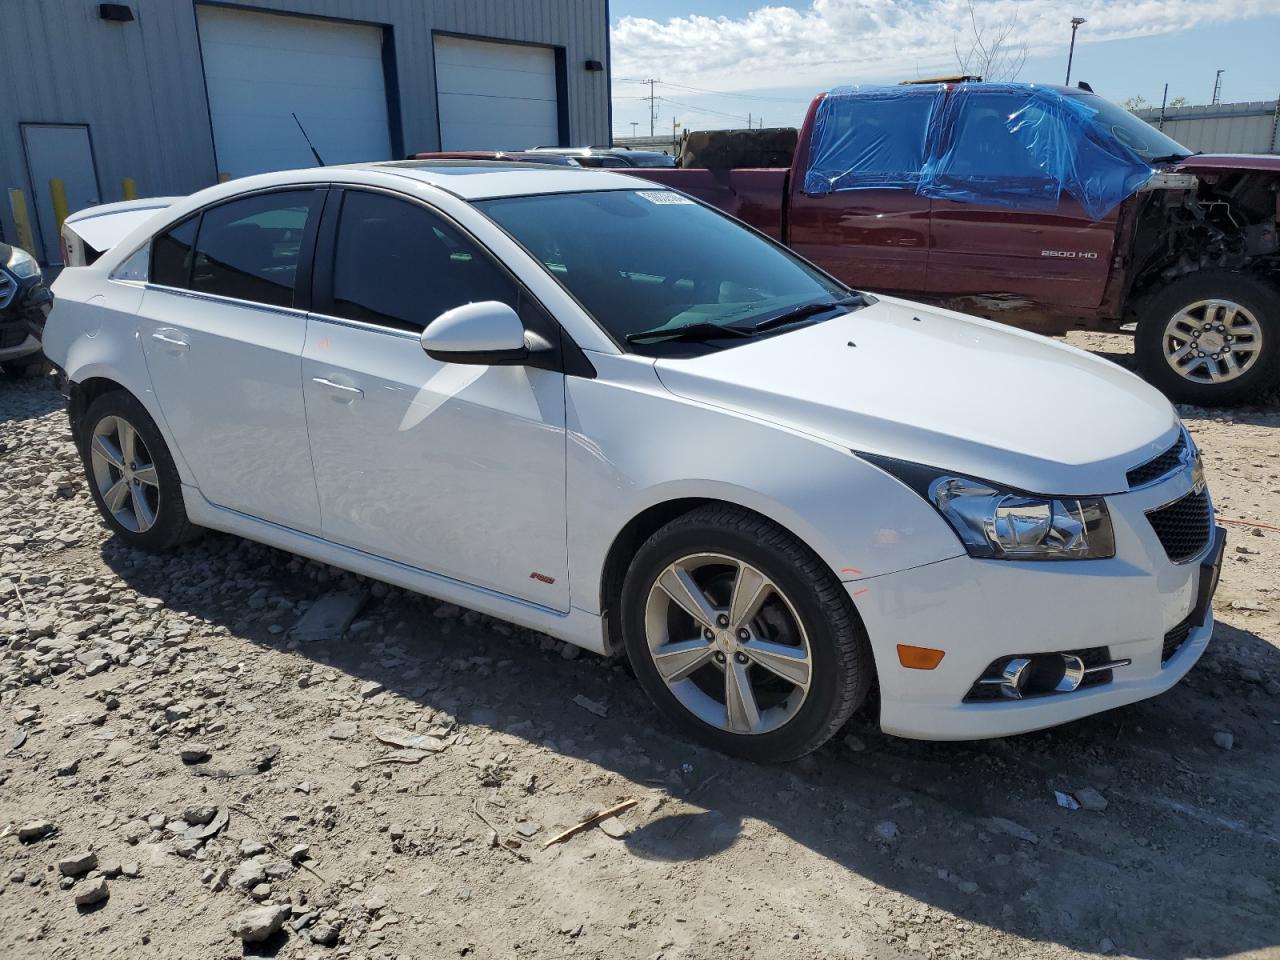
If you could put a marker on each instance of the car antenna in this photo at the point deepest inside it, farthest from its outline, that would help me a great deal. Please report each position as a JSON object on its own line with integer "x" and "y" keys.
{"x": 314, "y": 152}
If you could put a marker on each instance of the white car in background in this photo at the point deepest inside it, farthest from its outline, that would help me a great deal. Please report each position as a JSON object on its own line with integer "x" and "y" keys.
{"x": 605, "y": 411}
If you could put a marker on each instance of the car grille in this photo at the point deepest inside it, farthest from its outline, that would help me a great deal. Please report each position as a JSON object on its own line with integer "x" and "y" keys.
{"x": 1184, "y": 526}
{"x": 8, "y": 287}
{"x": 1175, "y": 638}
{"x": 1158, "y": 467}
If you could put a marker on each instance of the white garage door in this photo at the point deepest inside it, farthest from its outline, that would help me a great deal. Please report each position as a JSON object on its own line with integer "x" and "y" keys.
{"x": 261, "y": 68}
{"x": 496, "y": 96}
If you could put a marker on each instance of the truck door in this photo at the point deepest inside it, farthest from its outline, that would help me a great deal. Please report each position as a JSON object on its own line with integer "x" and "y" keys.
{"x": 854, "y": 210}
{"x": 1036, "y": 244}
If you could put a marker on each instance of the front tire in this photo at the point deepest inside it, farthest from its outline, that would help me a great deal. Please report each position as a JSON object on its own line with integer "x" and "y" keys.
{"x": 131, "y": 474}
{"x": 1211, "y": 338}
{"x": 742, "y": 637}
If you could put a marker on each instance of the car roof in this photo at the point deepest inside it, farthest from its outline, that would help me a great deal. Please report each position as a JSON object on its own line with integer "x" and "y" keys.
{"x": 485, "y": 179}
{"x": 465, "y": 179}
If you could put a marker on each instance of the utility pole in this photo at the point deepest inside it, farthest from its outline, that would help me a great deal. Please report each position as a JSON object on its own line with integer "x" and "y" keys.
{"x": 1163, "y": 101}
{"x": 675, "y": 137}
{"x": 653, "y": 105}
{"x": 634, "y": 124}
{"x": 1075, "y": 25}
{"x": 1217, "y": 86}
{"x": 750, "y": 125}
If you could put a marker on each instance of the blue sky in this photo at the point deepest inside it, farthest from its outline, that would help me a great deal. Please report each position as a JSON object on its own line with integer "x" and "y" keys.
{"x": 773, "y": 58}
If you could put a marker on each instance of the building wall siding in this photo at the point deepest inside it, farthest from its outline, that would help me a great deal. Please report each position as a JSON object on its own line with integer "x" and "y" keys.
{"x": 1221, "y": 127}
{"x": 140, "y": 86}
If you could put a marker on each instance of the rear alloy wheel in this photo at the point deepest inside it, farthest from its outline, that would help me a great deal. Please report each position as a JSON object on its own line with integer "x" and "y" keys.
{"x": 131, "y": 474}
{"x": 1212, "y": 338}
{"x": 741, "y": 635}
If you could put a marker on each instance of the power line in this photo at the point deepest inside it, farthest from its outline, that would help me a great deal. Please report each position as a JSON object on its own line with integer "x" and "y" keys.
{"x": 720, "y": 93}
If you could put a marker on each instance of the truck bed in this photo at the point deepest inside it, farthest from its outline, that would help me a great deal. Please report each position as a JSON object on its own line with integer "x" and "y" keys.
{"x": 754, "y": 196}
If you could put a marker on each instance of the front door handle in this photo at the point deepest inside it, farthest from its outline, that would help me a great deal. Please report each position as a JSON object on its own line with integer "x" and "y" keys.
{"x": 349, "y": 393}
{"x": 174, "y": 343}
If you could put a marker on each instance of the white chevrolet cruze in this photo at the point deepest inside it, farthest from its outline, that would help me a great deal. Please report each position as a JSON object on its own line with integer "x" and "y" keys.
{"x": 605, "y": 411}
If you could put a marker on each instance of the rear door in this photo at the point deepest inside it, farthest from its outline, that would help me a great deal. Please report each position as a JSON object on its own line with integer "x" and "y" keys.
{"x": 1044, "y": 248}
{"x": 457, "y": 469}
{"x": 871, "y": 237}
{"x": 222, "y": 326}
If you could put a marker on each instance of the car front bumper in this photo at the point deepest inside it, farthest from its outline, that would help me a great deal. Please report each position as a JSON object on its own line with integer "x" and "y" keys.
{"x": 979, "y": 611}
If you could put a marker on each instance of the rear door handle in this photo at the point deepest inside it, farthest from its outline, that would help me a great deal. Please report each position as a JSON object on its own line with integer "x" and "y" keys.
{"x": 350, "y": 393}
{"x": 174, "y": 343}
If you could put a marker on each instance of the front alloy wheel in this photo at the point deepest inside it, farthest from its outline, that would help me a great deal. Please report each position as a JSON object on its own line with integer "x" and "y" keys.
{"x": 741, "y": 636}
{"x": 1211, "y": 338}
{"x": 728, "y": 643}
{"x": 1212, "y": 341}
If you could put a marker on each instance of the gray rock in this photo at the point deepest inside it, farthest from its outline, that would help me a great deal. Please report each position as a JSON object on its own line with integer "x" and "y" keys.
{"x": 370, "y": 690}
{"x": 199, "y": 816}
{"x": 90, "y": 892}
{"x": 1224, "y": 739}
{"x": 261, "y": 892}
{"x": 78, "y": 864}
{"x": 252, "y": 848}
{"x": 1091, "y": 799}
{"x": 886, "y": 831}
{"x": 35, "y": 830}
{"x": 193, "y": 753}
{"x": 343, "y": 730}
{"x": 613, "y": 827}
{"x": 1002, "y": 825}
{"x": 854, "y": 743}
{"x": 324, "y": 935}
{"x": 248, "y": 875}
{"x": 260, "y": 923}
{"x": 187, "y": 847}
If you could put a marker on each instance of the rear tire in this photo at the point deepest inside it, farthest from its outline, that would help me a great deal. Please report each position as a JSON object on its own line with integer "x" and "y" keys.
{"x": 1181, "y": 344}
{"x": 774, "y": 663}
{"x": 131, "y": 474}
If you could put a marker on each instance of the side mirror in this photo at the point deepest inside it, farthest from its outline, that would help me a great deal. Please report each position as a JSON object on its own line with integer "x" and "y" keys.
{"x": 487, "y": 333}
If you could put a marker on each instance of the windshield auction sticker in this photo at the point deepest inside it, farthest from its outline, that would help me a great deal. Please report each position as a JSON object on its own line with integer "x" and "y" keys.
{"x": 663, "y": 196}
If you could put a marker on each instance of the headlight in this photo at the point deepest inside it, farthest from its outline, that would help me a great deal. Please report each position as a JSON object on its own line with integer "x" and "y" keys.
{"x": 22, "y": 264}
{"x": 1002, "y": 524}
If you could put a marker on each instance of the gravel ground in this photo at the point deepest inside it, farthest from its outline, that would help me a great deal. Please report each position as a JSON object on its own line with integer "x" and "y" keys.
{"x": 180, "y": 779}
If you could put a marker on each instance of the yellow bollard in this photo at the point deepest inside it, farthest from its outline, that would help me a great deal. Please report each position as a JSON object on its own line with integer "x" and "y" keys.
{"x": 22, "y": 219}
{"x": 58, "y": 197}
{"x": 129, "y": 188}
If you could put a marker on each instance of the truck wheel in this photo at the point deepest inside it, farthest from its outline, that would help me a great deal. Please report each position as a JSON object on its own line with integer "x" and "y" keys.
{"x": 1211, "y": 338}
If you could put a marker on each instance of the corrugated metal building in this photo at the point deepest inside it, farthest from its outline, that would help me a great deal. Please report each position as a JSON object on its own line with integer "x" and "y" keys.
{"x": 164, "y": 97}
{"x": 1252, "y": 127}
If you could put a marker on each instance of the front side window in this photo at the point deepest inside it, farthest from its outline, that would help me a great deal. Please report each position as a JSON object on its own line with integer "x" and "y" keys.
{"x": 398, "y": 265}
{"x": 249, "y": 248}
{"x": 654, "y": 266}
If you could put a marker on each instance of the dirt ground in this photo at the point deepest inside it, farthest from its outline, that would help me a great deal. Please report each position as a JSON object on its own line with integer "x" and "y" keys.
{"x": 114, "y": 665}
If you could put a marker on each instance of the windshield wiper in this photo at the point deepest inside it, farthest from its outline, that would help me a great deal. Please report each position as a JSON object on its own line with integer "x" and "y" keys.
{"x": 805, "y": 310}
{"x": 702, "y": 330}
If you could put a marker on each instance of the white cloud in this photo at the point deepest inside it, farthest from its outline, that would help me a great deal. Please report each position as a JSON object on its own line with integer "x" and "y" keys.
{"x": 861, "y": 40}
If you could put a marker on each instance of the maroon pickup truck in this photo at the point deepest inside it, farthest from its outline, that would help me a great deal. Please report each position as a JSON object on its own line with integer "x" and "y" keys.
{"x": 1046, "y": 207}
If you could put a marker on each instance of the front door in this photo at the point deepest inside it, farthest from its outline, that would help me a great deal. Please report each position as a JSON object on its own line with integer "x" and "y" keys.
{"x": 1037, "y": 244}
{"x": 223, "y": 337}
{"x": 455, "y": 469}
{"x": 60, "y": 163}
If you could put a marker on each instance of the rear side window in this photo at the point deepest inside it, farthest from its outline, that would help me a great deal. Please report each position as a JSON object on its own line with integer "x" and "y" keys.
{"x": 249, "y": 249}
{"x": 870, "y": 140}
{"x": 398, "y": 265}
{"x": 171, "y": 254}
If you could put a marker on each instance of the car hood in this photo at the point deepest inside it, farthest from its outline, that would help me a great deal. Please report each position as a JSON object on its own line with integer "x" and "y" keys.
{"x": 1269, "y": 163}
{"x": 942, "y": 389}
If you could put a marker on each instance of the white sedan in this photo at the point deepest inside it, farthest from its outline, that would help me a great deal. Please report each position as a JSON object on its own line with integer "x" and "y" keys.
{"x": 605, "y": 411}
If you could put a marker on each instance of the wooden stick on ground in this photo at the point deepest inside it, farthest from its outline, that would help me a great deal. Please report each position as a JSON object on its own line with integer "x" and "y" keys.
{"x": 272, "y": 844}
{"x": 590, "y": 822}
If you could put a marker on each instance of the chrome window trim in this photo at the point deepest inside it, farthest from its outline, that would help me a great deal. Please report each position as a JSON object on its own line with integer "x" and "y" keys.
{"x": 364, "y": 326}
{"x": 226, "y": 301}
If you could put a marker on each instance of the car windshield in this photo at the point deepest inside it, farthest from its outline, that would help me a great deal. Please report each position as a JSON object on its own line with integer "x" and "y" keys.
{"x": 1135, "y": 133}
{"x": 649, "y": 264}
